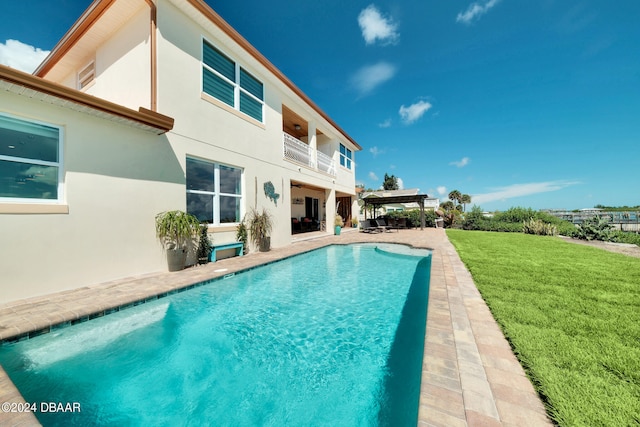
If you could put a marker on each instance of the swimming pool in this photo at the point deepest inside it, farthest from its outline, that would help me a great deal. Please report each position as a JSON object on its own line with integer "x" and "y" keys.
{"x": 330, "y": 337}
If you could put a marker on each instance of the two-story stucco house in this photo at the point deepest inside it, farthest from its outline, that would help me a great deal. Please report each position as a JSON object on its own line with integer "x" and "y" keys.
{"x": 147, "y": 106}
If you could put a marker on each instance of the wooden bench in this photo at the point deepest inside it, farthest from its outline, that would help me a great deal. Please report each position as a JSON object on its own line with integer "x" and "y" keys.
{"x": 238, "y": 246}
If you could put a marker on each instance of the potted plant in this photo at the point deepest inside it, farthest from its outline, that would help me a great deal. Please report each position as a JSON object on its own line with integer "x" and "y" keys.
{"x": 176, "y": 229}
{"x": 354, "y": 222}
{"x": 241, "y": 236}
{"x": 338, "y": 223}
{"x": 260, "y": 225}
{"x": 204, "y": 244}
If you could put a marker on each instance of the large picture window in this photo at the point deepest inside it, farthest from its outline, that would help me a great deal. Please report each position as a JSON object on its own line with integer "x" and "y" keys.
{"x": 30, "y": 164}
{"x": 226, "y": 81}
{"x": 214, "y": 192}
{"x": 346, "y": 157}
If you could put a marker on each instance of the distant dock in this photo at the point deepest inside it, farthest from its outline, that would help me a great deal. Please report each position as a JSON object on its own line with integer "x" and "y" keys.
{"x": 624, "y": 221}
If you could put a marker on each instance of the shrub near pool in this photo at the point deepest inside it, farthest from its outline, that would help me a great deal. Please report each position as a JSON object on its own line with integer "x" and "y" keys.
{"x": 572, "y": 316}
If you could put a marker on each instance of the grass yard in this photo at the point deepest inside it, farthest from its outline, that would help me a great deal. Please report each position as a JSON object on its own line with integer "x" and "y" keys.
{"x": 572, "y": 316}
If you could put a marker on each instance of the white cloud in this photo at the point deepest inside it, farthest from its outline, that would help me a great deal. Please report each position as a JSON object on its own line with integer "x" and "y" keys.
{"x": 461, "y": 163}
{"x": 414, "y": 111}
{"x": 385, "y": 124}
{"x": 21, "y": 56}
{"x": 400, "y": 183}
{"x": 441, "y": 190}
{"x": 519, "y": 190}
{"x": 374, "y": 27}
{"x": 369, "y": 77}
{"x": 475, "y": 11}
{"x": 375, "y": 151}
{"x": 373, "y": 176}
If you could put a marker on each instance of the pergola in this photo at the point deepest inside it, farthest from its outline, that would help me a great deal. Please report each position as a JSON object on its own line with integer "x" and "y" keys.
{"x": 376, "y": 202}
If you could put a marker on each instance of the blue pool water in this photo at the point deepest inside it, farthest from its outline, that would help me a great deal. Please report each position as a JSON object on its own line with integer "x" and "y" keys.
{"x": 332, "y": 337}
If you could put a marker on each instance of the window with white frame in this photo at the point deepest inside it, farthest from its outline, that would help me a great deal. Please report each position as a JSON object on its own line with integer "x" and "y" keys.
{"x": 226, "y": 81}
{"x": 214, "y": 191}
{"x": 30, "y": 161}
{"x": 346, "y": 157}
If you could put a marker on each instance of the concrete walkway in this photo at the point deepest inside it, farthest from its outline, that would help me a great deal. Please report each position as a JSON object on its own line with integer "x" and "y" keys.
{"x": 470, "y": 376}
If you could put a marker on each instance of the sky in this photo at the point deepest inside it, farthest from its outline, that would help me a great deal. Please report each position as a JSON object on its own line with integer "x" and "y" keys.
{"x": 530, "y": 103}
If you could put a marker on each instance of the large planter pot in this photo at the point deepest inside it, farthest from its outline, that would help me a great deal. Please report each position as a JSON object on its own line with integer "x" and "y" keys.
{"x": 265, "y": 244}
{"x": 337, "y": 230}
{"x": 176, "y": 259}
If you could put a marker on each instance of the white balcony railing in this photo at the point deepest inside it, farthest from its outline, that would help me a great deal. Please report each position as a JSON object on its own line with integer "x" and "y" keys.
{"x": 326, "y": 164}
{"x": 299, "y": 152}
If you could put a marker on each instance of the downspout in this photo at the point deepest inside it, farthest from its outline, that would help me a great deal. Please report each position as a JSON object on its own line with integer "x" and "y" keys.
{"x": 153, "y": 26}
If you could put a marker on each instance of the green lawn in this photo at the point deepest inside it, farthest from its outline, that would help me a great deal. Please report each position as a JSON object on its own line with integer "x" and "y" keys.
{"x": 572, "y": 316}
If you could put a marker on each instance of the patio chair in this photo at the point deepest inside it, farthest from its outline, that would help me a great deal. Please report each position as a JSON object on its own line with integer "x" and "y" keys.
{"x": 369, "y": 226}
{"x": 382, "y": 224}
{"x": 393, "y": 223}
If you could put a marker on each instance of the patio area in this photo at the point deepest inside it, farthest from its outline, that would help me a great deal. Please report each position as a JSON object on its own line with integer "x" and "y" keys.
{"x": 470, "y": 376}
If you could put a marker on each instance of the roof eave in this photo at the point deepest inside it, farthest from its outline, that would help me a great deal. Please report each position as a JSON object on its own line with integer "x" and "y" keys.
{"x": 159, "y": 122}
{"x": 79, "y": 28}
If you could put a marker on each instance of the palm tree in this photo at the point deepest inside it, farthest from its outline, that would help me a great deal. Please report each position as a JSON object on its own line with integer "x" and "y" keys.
{"x": 448, "y": 213}
{"x": 465, "y": 199}
{"x": 455, "y": 196}
{"x": 447, "y": 206}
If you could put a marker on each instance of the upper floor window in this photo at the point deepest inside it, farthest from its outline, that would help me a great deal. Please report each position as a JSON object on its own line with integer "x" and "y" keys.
{"x": 86, "y": 75}
{"x": 30, "y": 164}
{"x": 226, "y": 81}
{"x": 214, "y": 191}
{"x": 346, "y": 156}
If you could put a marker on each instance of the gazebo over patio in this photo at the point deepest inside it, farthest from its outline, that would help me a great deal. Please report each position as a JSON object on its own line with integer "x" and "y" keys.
{"x": 376, "y": 202}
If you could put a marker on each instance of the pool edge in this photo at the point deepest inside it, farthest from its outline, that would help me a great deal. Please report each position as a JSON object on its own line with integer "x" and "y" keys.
{"x": 443, "y": 401}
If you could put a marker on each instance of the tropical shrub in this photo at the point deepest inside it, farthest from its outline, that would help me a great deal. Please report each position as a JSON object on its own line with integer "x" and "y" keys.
{"x": 474, "y": 219}
{"x": 413, "y": 217}
{"x": 260, "y": 226}
{"x": 595, "y": 228}
{"x": 567, "y": 228}
{"x": 204, "y": 244}
{"x": 242, "y": 236}
{"x": 539, "y": 227}
{"x": 515, "y": 214}
{"x": 450, "y": 212}
{"x": 513, "y": 220}
{"x": 176, "y": 229}
{"x": 625, "y": 237}
{"x": 503, "y": 226}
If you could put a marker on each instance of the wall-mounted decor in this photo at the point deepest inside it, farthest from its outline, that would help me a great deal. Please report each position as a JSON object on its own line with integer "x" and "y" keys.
{"x": 270, "y": 192}
{"x": 298, "y": 201}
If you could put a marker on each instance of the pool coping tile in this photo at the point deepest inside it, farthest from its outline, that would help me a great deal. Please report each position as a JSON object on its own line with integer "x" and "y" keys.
{"x": 470, "y": 377}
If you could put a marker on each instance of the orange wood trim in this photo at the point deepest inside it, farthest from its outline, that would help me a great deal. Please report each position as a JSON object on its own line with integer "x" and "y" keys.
{"x": 79, "y": 28}
{"x": 144, "y": 116}
{"x": 216, "y": 19}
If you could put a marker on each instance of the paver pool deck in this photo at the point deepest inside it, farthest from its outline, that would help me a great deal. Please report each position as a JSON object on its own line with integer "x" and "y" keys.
{"x": 470, "y": 376}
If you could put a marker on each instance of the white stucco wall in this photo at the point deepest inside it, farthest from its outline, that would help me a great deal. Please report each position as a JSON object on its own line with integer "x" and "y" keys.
{"x": 116, "y": 180}
{"x": 123, "y": 65}
{"x": 208, "y": 129}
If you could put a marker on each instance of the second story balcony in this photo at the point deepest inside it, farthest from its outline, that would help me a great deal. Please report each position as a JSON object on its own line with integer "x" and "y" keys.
{"x": 301, "y": 153}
